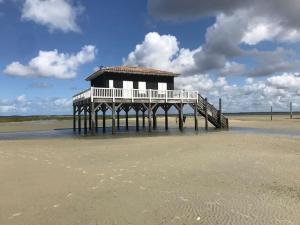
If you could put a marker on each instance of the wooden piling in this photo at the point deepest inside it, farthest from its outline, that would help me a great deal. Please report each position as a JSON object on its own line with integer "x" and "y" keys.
{"x": 96, "y": 120}
{"x": 103, "y": 118}
{"x": 196, "y": 117}
{"x": 143, "y": 118}
{"x": 126, "y": 117}
{"x": 90, "y": 118}
{"x": 85, "y": 120}
{"x": 271, "y": 112}
{"x": 180, "y": 117}
{"x": 166, "y": 118}
{"x": 79, "y": 119}
{"x": 113, "y": 122}
{"x": 220, "y": 112}
{"x": 74, "y": 118}
{"x": 93, "y": 118}
{"x": 118, "y": 119}
{"x": 206, "y": 114}
{"x": 137, "y": 118}
{"x": 149, "y": 117}
{"x": 291, "y": 110}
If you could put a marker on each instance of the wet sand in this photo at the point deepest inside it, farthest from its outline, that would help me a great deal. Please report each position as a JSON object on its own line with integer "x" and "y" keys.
{"x": 206, "y": 178}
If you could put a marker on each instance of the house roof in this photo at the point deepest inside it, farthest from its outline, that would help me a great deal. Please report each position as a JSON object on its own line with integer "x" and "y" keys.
{"x": 130, "y": 70}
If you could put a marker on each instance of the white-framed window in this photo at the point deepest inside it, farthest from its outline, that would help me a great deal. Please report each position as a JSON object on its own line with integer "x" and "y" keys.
{"x": 127, "y": 87}
{"x": 111, "y": 84}
{"x": 142, "y": 87}
{"x": 162, "y": 87}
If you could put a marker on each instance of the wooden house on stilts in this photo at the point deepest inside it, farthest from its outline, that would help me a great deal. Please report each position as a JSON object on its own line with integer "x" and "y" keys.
{"x": 141, "y": 89}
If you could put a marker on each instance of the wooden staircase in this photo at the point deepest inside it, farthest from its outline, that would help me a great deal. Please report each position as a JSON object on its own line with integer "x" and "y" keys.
{"x": 214, "y": 116}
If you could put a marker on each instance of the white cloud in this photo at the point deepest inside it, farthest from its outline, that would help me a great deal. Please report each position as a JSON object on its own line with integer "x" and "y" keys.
{"x": 161, "y": 51}
{"x": 55, "y": 14}
{"x": 21, "y": 105}
{"x": 53, "y": 64}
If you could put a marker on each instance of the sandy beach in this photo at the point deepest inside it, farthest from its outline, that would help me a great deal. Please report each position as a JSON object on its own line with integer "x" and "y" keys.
{"x": 206, "y": 178}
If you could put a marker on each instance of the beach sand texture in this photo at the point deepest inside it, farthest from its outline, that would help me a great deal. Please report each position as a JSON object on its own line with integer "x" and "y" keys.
{"x": 209, "y": 178}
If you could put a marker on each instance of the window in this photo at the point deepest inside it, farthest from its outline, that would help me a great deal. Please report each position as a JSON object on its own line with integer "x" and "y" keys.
{"x": 162, "y": 87}
{"x": 142, "y": 87}
{"x": 111, "y": 84}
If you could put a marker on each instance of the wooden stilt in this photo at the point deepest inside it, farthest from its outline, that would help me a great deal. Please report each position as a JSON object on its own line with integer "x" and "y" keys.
{"x": 154, "y": 118}
{"x": 166, "y": 117}
{"x": 113, "y": 110}
{"x": 206, "y": 114}
{"x": 79, "y": 119}
{"x": 220, "y": 112}
{"x": 181, "y": 117}
{"x": 85, "y": 119}
{"x": 74, "y": 118}
{"x": 93, "y": 118}
{"x": 149, "y": 117}
{"x": 143, "y": 118}
{"x": 126, "y": 117}
{"x": 271, "y": 112}
{"x": 118, "y": 119}
{"x": 103, "y": 118}
{"x": 96, "y": 120}
{"x": 90, "y": 118}
{"x": 137, "y": 118}
{"x": 291, "y": 110}
{"x": 196, "y": 117}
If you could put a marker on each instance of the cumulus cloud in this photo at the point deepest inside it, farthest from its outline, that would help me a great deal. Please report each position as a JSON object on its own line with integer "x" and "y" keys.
{"x": 55, "y": 14}
{"x": 22, "y": 105}
{"x": 53, "y": 64}
{"x": 253, "y": 95}
{"x": 163, "y": 52}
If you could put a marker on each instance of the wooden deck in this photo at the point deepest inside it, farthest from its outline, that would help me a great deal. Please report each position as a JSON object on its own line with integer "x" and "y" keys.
{"x": 93, "y": 100}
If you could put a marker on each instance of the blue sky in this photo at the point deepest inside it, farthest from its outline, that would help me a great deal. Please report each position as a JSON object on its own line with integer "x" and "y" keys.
{"x": 247, "y": 54}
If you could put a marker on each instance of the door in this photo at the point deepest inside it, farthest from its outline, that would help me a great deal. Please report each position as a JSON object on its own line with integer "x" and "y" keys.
{"x": 162, "y": 87}
{"x": 111, "y": 84}
{"x": 127, "y": 89}
{"x": 142, "y": 87}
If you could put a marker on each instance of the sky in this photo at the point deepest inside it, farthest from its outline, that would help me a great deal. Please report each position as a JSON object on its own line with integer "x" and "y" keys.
{"x": 245, "y": 51}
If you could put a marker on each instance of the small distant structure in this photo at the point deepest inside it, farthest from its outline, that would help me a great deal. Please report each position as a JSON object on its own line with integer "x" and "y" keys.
{"x": 123, "y": 88}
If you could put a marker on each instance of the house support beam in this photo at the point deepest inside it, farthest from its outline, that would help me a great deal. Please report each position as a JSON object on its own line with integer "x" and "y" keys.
{"x": 143, "y": 111}
{"x": 118, "y": 118}
{"x": 79, "y": 119}
{"x": 96, "y": 120}
{"x": 113, "y": 122}
{"x": 85, "y": 119}
{"x": 196, "y": 117}
{"x": 206, "y": 114}
{"x": 74, "y": 117}
{"x": 103, "y": 118}
{"x": 93, "y": 118}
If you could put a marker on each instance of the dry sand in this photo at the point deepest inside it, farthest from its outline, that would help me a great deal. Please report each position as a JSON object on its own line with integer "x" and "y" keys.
{"x": 209, "y": 178}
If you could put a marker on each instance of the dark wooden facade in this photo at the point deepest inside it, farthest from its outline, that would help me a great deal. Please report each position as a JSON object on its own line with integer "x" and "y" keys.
{"x": 118, "y": 78}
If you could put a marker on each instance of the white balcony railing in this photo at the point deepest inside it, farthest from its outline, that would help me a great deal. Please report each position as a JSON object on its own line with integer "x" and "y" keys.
{"x": 133, "y": 94}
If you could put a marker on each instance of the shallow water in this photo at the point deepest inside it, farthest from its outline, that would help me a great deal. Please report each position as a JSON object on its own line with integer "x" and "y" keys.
{"x": 122, "y": 132}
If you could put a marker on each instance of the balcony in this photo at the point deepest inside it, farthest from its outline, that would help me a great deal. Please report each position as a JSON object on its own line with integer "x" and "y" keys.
{"x": 94, "y": 94}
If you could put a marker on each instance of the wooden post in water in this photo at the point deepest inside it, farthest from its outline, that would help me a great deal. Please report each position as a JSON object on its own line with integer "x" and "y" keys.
{"x": 137, "y": 119}
{"x": 85, "y": 120}
{"x": 113, "y": 122}
{"x": 206, "y": 114}
{"x": 96, "y": 121}
{"x": 149, "y": 117}
{"x": 154, "y": 119}
{"x": 143, "y": 118}
{"x": 74, "y": 117}
{"x": 126, "y": 116}
{"x": 291, "y": 110}
{"x": 196, "y": 117}
{"x": 90, "y": 118}
{"x": 118, "y": 118}
{"x": 271, "y": 112}
{"x": 93, "y": 118}
{"x": 103, "y": 118}
{"x": 181, "y": 117}
{"x": 79, "y": 119}
{"x": 166, "y": 108}
{"x": 220, "y": 112}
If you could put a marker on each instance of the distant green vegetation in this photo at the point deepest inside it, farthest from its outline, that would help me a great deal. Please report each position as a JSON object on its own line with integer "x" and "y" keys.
{"x": 6, "y": 119}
